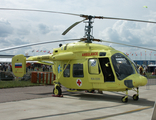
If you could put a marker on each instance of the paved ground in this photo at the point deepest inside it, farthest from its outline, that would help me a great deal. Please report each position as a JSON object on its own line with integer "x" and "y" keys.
{"x": 36, "y": 103}
{"x": 25, "y": 93}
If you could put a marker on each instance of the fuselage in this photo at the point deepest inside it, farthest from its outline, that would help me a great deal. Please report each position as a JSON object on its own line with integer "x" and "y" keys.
{"x": 87, "y": 66}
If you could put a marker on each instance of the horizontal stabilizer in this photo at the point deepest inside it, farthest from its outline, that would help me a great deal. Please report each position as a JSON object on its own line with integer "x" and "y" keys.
{"x": 46, "y": 62}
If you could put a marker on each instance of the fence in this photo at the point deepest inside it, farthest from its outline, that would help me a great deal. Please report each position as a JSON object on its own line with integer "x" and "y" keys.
{"x": 43, "y": 77}
{"x": 6, "y": 75}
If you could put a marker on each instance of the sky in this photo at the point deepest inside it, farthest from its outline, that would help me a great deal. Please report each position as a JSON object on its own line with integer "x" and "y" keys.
{"x": 22, "y": 27}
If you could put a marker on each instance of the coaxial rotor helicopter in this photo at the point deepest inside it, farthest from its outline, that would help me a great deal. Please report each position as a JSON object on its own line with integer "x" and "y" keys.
{"x": 84, "y": 65}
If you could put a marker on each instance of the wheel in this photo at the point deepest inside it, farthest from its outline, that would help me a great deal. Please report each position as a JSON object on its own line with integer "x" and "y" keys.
{"x": 57, "y": 90}
{"x": 135, "y": 97}
{"x": 124, "y": 99}
{"x": 100, "y": 92}
{"x": 90, "y": 91}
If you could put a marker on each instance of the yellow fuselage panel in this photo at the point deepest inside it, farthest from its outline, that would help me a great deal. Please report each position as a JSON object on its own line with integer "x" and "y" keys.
{"x": 81, "y": 47}
{"x": 75, "y": 51}
{"x": 74, "y": 82}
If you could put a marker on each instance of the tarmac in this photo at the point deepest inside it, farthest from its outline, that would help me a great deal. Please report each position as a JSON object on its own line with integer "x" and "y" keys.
{"x": 37, "y": 103}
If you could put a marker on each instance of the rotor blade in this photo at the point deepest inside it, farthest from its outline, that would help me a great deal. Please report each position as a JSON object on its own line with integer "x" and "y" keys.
{"x": 73, "y": 25}
{"x": 38, "y": 11}
{"x": 128, "y": 45}
{"x": 81, "y": 15}
{"x": 33, "y": 44}
{"x": 125, "y": 19}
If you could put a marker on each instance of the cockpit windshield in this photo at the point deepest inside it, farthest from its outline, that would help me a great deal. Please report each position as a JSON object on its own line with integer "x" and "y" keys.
{"x": 122, "y": 66}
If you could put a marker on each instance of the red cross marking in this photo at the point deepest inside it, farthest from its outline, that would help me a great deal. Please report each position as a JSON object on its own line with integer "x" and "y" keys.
{"x": 79, "y": 83}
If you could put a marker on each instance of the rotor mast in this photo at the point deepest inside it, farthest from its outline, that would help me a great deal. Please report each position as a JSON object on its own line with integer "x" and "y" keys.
{"x": 88, "y": 29}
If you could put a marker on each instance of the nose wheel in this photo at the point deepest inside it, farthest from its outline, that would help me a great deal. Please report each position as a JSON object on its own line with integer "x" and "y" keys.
{"x": 136, "y": 96}
{"x": 124, "y": 99}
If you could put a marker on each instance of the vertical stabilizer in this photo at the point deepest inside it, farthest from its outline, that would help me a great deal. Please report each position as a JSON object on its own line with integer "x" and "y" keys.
{"x": 19, "y": 65}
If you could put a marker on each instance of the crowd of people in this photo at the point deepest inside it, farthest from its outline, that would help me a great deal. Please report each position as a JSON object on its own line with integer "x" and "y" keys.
{"x": 5, "y": 67}
{"x": 142, "y": 70}
{"x": 43, "y": 68}
{"x": 8, "y": 67}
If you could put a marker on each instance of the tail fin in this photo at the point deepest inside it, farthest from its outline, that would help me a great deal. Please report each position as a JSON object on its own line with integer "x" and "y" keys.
{"x": 19, "y": 65}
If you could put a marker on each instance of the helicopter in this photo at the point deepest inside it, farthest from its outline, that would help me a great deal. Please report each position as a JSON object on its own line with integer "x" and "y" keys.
{"x": 84, "y": 65}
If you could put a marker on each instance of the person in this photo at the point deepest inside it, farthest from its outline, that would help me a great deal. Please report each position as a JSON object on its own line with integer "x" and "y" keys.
{"x": 141, "y": 70}
{"x": 29, "y": 68}
{"x": 0, "y": 66}
{"x": 144, "y": 74}
{"x": 155, "y": 71}
{"x": 145, "y": 69}
{"x": 9, "y": 67}
{"x": 4, "y": 67}
{"x": 43, "y": 68}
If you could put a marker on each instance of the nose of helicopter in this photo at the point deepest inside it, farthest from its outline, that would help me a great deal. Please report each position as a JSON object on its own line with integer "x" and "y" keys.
{"x": 135, "y": 81}
{"x": 139, "y": 81}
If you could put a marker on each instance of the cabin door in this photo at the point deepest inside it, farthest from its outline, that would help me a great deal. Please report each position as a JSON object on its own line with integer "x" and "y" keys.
{"x": 107, "y": 70}
{"x": 94, "y": 71}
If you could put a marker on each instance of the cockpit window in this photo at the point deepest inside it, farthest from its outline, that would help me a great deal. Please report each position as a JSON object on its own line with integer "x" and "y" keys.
{"x": 122, "y": 66}
{"x": 133, "y": 63}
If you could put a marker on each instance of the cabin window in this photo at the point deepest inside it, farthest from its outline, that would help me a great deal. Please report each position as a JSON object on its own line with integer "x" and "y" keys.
{"x": 78, "y": 70}
{"x": 122, "y": 66}
{"x": 93, "y": 66}
{"x": 66, "y": 72}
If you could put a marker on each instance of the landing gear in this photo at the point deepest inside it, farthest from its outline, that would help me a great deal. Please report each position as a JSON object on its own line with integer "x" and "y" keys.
{"x": 125, "y": 98}
{"x": 94, "y": 91}
{"x": 90, "y": 91}
{"x": 136, "y": 96}
{"x": 57, "y": 92}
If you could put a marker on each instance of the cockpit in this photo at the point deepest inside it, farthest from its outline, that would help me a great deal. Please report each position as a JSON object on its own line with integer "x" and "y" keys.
{"x": 122, "y": 66}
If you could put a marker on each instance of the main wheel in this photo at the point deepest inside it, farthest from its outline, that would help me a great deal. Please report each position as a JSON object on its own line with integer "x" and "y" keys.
{"x": 57, "y": 90}
{"x": 124, "y": 99}
{"x": 90, "y": 91}
{"x": 135, "y": 97}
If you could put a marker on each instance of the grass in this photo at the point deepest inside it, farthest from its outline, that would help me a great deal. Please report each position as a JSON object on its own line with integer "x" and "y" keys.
{"x": 12, "y": 84}
{"x": 150, "y": 76}
{"x": 18, "y": 83}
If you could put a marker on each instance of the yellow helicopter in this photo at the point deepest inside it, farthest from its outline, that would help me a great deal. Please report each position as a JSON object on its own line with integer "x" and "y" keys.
{"x": 84, "y": 65}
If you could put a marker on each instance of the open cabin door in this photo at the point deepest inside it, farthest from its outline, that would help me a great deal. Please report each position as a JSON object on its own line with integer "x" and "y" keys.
{"x": 106, "y": 70}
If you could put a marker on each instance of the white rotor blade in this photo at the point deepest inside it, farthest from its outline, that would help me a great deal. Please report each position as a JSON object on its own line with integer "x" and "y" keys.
{"x": 128, "y": 45}
{"x": 33, "y": 44}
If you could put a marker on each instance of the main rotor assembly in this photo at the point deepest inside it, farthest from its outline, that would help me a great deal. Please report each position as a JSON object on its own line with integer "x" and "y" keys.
{"x": 89, "y": 27}
{"x": 88, "y": 19}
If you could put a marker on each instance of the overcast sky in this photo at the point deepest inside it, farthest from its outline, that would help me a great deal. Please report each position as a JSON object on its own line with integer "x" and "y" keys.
{"x": 21, "y": 27}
